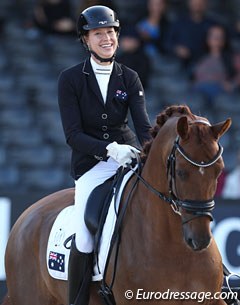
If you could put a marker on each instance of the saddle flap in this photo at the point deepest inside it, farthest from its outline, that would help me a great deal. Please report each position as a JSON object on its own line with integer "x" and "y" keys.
{"x": 96, "y": 201}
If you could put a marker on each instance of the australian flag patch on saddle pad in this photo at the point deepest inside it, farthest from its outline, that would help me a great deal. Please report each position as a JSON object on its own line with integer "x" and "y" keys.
{"x": 56, "y": 261}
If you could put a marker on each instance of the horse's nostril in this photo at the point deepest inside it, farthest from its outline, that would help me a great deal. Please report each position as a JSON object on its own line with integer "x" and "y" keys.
{"x": 198, "y": 245}
{"x": 191, "y": 243}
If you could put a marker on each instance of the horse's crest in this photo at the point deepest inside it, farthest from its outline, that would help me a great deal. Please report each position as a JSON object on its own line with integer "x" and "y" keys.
{"x": 162, "y": 119}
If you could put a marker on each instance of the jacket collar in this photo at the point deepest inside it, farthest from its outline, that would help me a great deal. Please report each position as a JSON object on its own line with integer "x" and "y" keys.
{"x": 87, "y": 68}
{"x": 91, "y": 79}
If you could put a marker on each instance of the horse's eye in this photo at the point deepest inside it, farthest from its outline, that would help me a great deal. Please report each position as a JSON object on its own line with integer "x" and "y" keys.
{"x": 182, "y": 174}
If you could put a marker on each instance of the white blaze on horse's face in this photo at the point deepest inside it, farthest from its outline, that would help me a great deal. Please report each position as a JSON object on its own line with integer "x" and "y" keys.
{"x": 201, "y": 170}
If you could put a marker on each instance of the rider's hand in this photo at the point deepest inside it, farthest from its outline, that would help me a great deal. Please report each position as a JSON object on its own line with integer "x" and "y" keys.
{"x": 122, "y": 153}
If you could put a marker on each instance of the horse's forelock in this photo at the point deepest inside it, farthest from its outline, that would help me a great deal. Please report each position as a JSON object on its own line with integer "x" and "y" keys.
{"x": 161, "y": 120}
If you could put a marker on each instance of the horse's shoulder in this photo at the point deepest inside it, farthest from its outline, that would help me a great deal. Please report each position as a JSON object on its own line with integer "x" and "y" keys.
{"x": 128, "y": 187}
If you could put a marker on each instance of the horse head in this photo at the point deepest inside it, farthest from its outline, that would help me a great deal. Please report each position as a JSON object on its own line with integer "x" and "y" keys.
{"x": 198, "y": 164}
{"x": 192, "y": 156}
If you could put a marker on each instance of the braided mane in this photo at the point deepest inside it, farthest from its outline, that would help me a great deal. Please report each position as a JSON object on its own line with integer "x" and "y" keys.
{"x": 160, "y": 121}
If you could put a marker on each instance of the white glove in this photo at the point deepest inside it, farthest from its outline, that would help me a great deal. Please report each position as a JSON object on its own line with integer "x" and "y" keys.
{"x": 122, "y": 153}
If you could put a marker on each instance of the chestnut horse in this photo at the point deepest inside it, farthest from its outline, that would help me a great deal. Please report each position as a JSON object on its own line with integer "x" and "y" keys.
{"x": 166, "y": 241}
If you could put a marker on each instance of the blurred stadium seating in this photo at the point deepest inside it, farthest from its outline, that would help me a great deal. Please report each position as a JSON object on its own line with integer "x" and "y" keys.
{"x": 33, "y": 152}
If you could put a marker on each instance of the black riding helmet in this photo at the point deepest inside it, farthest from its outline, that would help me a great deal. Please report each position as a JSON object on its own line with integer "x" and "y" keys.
{"x": 94, "y": 17}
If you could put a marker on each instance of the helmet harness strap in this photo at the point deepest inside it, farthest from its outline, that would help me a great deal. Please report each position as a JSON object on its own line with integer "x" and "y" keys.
{"x": 101, "y": 59}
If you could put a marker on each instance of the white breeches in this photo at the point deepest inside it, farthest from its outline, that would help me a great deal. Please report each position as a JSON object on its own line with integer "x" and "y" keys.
{"x": 83, "y": 187}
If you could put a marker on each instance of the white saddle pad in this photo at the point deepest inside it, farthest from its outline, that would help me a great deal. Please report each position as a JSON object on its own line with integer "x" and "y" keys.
{"x": 58, "y": 255}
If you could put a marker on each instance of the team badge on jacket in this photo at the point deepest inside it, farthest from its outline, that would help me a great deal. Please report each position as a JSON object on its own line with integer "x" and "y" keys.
{"x": 121, "y": 95}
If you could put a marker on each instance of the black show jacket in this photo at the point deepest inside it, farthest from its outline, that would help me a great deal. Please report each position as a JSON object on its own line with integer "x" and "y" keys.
{"x": 89, "y": 124}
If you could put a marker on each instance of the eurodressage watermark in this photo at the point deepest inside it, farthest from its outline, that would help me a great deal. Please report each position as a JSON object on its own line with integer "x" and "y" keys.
{"x": 200, "y": 297}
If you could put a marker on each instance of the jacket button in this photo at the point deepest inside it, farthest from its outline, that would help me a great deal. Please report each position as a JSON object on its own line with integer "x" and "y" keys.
{"x": 104, "y": 128}
{"x": 98, "y": 158}
{"x": 104, "y": 116}
{"x": 105, "y": 136}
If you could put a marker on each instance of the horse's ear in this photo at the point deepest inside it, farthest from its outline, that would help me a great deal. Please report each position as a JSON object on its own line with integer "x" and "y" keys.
{"x": 182, "y": 127}
{"x": 219, "y": 129}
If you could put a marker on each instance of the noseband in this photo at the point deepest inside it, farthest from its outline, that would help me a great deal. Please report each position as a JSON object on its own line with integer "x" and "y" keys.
{"x": 197, "y": 208}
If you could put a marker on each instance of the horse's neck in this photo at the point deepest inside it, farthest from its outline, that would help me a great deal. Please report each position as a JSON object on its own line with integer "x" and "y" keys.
{"x": 152, "y": 216}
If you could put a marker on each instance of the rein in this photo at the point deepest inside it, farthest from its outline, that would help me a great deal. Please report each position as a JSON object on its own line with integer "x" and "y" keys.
{"x": 105, "y": 290}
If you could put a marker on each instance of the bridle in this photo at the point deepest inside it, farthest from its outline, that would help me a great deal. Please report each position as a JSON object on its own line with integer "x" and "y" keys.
{"x": 197, "y": 208}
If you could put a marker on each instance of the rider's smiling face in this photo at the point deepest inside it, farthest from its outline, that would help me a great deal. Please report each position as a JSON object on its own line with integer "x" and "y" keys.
{"x": 102, "y": 41}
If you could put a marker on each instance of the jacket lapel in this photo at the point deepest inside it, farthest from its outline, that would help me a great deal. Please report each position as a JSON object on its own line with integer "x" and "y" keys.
{"x": 92, "y": 81}
{"x": 114, "y": 82}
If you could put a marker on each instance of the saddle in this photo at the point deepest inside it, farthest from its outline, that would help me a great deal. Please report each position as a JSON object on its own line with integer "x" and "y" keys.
{"x": 98, "y": 205}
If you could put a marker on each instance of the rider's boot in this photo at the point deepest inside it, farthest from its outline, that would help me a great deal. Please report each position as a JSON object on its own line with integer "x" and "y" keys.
{"x": 79, "y": 276}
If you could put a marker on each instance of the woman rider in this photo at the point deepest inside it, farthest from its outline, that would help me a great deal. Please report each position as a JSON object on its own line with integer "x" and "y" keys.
{"x": 94, "y": 99}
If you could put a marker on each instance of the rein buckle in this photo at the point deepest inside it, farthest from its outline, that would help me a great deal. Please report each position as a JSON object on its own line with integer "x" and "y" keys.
{"x": 175, "y": 208}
